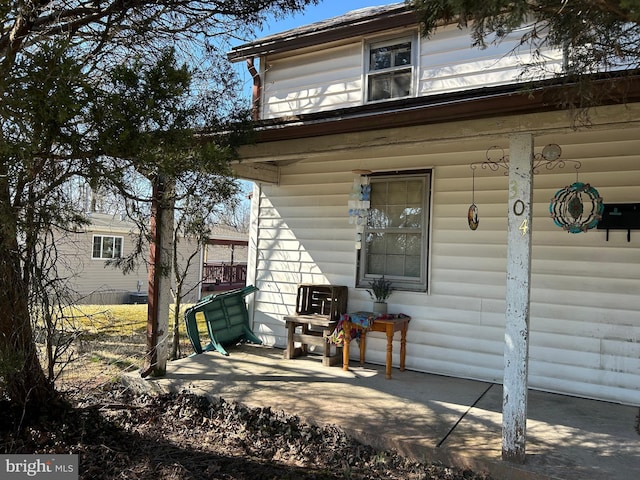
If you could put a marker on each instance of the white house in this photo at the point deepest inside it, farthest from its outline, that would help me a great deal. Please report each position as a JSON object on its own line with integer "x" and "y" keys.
{"x": 364, "y": 97}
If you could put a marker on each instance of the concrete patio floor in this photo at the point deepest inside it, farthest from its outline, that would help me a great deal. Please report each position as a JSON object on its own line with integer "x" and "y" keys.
{"x": 423, "y": 416}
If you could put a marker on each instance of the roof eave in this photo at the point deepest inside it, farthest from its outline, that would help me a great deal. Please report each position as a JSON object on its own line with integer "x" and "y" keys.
{"x": 289, "y": 41}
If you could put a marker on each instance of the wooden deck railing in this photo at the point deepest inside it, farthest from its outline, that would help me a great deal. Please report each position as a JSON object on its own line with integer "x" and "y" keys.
{"x": 220, "y": 276}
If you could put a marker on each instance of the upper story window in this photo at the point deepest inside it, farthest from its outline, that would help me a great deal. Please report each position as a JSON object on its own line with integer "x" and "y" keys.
{"x": 106, "y": 247}
{"x": 395, "y": 239}
{"x": 390, "y": 69}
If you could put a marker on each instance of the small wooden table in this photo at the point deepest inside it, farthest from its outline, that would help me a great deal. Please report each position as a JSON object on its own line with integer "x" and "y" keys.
{"x": 386, "y": 325}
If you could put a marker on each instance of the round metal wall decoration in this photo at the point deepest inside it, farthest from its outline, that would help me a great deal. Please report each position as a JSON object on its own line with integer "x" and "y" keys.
{"x": 551, "y": 152}
{"x": 576, "y": 208}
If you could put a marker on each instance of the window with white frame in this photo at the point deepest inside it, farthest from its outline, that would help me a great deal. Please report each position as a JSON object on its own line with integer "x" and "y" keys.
{"x": 395, "y": 239}
{"x": 106, "y": 247}
{"x": 390, "y": 69}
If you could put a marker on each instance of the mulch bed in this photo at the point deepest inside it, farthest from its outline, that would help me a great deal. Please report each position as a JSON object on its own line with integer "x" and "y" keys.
{"x": 120, "y": 435}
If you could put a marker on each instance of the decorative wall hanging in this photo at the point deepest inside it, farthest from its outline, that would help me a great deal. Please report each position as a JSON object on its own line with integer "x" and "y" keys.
{"x": 472, "y": 214}
{"x": 492, "y": 163}
{"x": 576, "y": 208}
{"x": 359, "y": 203}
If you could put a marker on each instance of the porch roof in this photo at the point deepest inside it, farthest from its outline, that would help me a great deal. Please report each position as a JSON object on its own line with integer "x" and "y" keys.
{"x": 473, "y": 104}
{"x": 221, "y": 235}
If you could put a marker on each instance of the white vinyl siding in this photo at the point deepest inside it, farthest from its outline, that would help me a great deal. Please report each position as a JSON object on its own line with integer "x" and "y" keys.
{"x": 313, "y": 82}
{"x": 334, "y": 77}
{"x": 585, "y": 307}
{"x": 449, "y": 63}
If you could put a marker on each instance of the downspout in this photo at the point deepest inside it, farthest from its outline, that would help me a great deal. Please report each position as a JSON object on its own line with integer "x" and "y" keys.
{"x": 252, "y": 249}
{"x": 257, "y": 90}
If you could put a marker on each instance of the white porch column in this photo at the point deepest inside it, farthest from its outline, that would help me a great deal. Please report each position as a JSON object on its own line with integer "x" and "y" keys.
{"x": 516, "y": 350}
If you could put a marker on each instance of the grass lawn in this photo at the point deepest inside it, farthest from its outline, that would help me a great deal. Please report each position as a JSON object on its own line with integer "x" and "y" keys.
{"x": 110, "y": 319}
{"x": 111, "y": 340}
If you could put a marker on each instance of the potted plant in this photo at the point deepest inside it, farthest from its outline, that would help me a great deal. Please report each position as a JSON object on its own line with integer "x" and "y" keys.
{"x": 380, "y": 291}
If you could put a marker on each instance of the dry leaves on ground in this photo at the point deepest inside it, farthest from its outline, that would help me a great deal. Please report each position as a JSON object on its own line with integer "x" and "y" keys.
{"x": 183, "y": 436}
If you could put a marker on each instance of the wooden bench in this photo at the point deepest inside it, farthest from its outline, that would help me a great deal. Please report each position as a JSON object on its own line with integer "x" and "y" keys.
{"x": 318, "y": 309}
{"x": 313, "y": 330}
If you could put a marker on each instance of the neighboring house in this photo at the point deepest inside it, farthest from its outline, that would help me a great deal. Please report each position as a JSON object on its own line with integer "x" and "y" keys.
{"x": 365, "y": 94}
{"x": 225, "y": 260}
{"x": 83, "y": 257}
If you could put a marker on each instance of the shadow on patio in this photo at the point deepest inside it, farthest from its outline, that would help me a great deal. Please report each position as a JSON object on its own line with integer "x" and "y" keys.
{"x": 423, "y": 416}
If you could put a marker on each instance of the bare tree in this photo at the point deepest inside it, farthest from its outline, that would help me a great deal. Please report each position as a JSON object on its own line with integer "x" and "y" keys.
{"x": 237, "y": 215}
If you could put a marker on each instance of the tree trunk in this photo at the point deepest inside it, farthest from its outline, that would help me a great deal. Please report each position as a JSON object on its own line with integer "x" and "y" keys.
{"x": 22, "y": 379}
{"x": 166, "y": 242}
{"x": 160, "y": 266}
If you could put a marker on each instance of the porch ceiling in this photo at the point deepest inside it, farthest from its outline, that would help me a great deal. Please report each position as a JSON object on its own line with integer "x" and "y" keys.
{"x": 450, "y": 143}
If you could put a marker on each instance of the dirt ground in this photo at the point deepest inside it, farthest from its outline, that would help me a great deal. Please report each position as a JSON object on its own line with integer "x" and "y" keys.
{"x": 120, "y": 435}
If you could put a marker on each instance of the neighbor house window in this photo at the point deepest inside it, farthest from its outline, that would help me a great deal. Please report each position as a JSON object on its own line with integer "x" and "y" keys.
{"x": 106, "y": 247}
{"x": 395, "y": 239}
{"x": 390, "y": 69}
